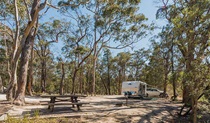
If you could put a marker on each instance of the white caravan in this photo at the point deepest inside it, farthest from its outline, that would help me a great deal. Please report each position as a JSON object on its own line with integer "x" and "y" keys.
{"x": 134, "y": 88}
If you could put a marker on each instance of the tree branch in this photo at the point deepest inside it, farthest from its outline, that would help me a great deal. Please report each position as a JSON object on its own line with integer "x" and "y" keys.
{"x": 28, "y": 13}
{"x": 52, "y": 6}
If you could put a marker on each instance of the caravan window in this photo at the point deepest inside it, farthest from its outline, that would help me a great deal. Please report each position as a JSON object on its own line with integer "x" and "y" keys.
{"x": 148, "y": 89}
{"x": 129, "y": 83}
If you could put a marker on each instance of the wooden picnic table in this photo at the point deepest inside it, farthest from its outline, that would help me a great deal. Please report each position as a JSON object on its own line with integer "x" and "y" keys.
{"x": 64, "y": 100}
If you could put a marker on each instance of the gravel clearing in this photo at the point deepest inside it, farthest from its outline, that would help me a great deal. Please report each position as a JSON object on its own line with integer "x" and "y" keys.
{"x": 101, "y": 109}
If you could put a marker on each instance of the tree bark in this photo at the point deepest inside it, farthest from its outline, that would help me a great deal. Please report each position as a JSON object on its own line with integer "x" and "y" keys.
{"x": 94, "y": 76}
{"x": 73, "y": 81}
{"x": 119, "y": 83}
{"x": 165, "y": 83}
{"x": 62, "y": 79}
{"x": 108, "y": 74}
{"x": 194, "y": 101}
{"x": 24, "y": 61}
{"x": 25, "y": 49}
{"x": 43, "y": 76}
{"x": 166, "y": 78}
{"x": 80, "y": 82}
{"x": 104, "y": 84}
{"x": 173, "y": 73}
{"x": 12, "y": 87}
{"x": 186, "y": 92}
{"x": 1, "y": 86}
{"x": 26, "y": 45}
{"x": 6, "y": 55}
{"x": 30, "y": 72}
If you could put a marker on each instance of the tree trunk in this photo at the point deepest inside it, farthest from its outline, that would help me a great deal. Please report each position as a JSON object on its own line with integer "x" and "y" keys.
{"x": 165, "y": 83}
{"x": 30, "y": 72}
{"x": 12, "y": 87}
{"x": 104, "y": 84}
{"x": 173, "y": 73}
{"x": 24, "y": 49}
{"x": 83, "y": 86}
{"x": 94, "y": 76}
{"x": 119, "y": 83}
{"x": 43, "y": 76}
{"x": 123, "y": 73}
{"x": 1, "y": 86}
{"x": 7, "y": 56}
{"x": 194, "y": 109}
{"x": 80, "y": 82}
{"x": 62, "y": 79}
{"x": 88, "y": 87}
{"x": 165, "y": 87}
{"x": 24, "y": 61}
{"x": 109, "y": 80}
{"x": 186, "y": 92}
{"x": 73, "y": 80}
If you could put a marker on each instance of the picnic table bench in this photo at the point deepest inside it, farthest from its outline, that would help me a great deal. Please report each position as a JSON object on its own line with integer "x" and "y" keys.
{"x": 64, "y": 100}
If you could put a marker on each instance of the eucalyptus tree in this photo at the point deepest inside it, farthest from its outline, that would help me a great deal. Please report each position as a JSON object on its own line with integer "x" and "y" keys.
{"x": 24, "y": 16}
{"x": 105, "y": 70}
{"x": 190, "y": 20}
{"x": 122, "y": 60}
{"x": 7, "y": 10}
{"x": 154, "y": 70}
{"x": 168, "y": 40}
{"x": 77, "y": 44}
{"x": 110, "y": 21}
{"x": 4, "y": 62}
{"x": 26, "y": 45}
{"x": 6, "y": 39}
{"x": 48, "y": 33}
{"x": 166, "y": 48}
{"x": 62, "y": 67}
{"x": 1, "y": 86}
{"x": 138, "y": 61}
{"x": 117, "y": 74}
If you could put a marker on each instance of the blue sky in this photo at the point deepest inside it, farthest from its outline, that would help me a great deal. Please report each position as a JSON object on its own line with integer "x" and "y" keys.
{"x": 147, "y": 7}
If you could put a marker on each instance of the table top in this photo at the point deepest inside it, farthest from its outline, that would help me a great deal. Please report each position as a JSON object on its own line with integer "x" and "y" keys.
{"x": 71, "y": 95}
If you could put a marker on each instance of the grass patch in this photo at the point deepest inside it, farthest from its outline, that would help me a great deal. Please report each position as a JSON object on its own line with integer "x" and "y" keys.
{"x": 42, "y": 120}
{"x": 36, "y": 119}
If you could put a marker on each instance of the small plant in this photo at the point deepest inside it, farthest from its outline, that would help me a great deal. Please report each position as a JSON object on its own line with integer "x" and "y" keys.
{"x": 25, "y": 118}
{"x": 203, "y": 99}
{"x": 36, "y": 113}
{"x": 199, "y": 116}
{"x": 12, "y": 120}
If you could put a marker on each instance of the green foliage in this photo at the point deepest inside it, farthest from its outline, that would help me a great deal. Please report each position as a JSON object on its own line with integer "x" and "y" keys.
{"x": 2, "y": 55}
{"x": 36, "y": 113}
{"x": 203, "y": 99}
{"x": 51, "y": 88}
{"x": 81, "y": 50}
{"x": 56, "y": 23}
{"x": 190, "y": 29}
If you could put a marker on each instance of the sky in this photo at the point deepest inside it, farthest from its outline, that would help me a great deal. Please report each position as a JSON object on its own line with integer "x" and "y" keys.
{"x": 147, "y": 7}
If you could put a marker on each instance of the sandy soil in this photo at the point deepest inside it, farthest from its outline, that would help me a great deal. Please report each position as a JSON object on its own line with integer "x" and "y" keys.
{"x": 102, "y": 109}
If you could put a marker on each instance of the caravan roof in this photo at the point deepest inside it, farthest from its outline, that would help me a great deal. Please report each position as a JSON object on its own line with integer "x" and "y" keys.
{"x": 127, "y": 82}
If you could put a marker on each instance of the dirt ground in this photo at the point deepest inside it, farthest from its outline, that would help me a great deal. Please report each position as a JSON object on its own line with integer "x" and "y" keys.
{"x": 102, "y": 109}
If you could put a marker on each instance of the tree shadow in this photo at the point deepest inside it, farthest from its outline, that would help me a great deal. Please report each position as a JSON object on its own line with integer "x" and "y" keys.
{"x": 97, "y": 110}
{"x": 159, "y": 114}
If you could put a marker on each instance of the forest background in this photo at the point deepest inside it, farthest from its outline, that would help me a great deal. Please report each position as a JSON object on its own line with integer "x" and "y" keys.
{"x": 176, "y": 59}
